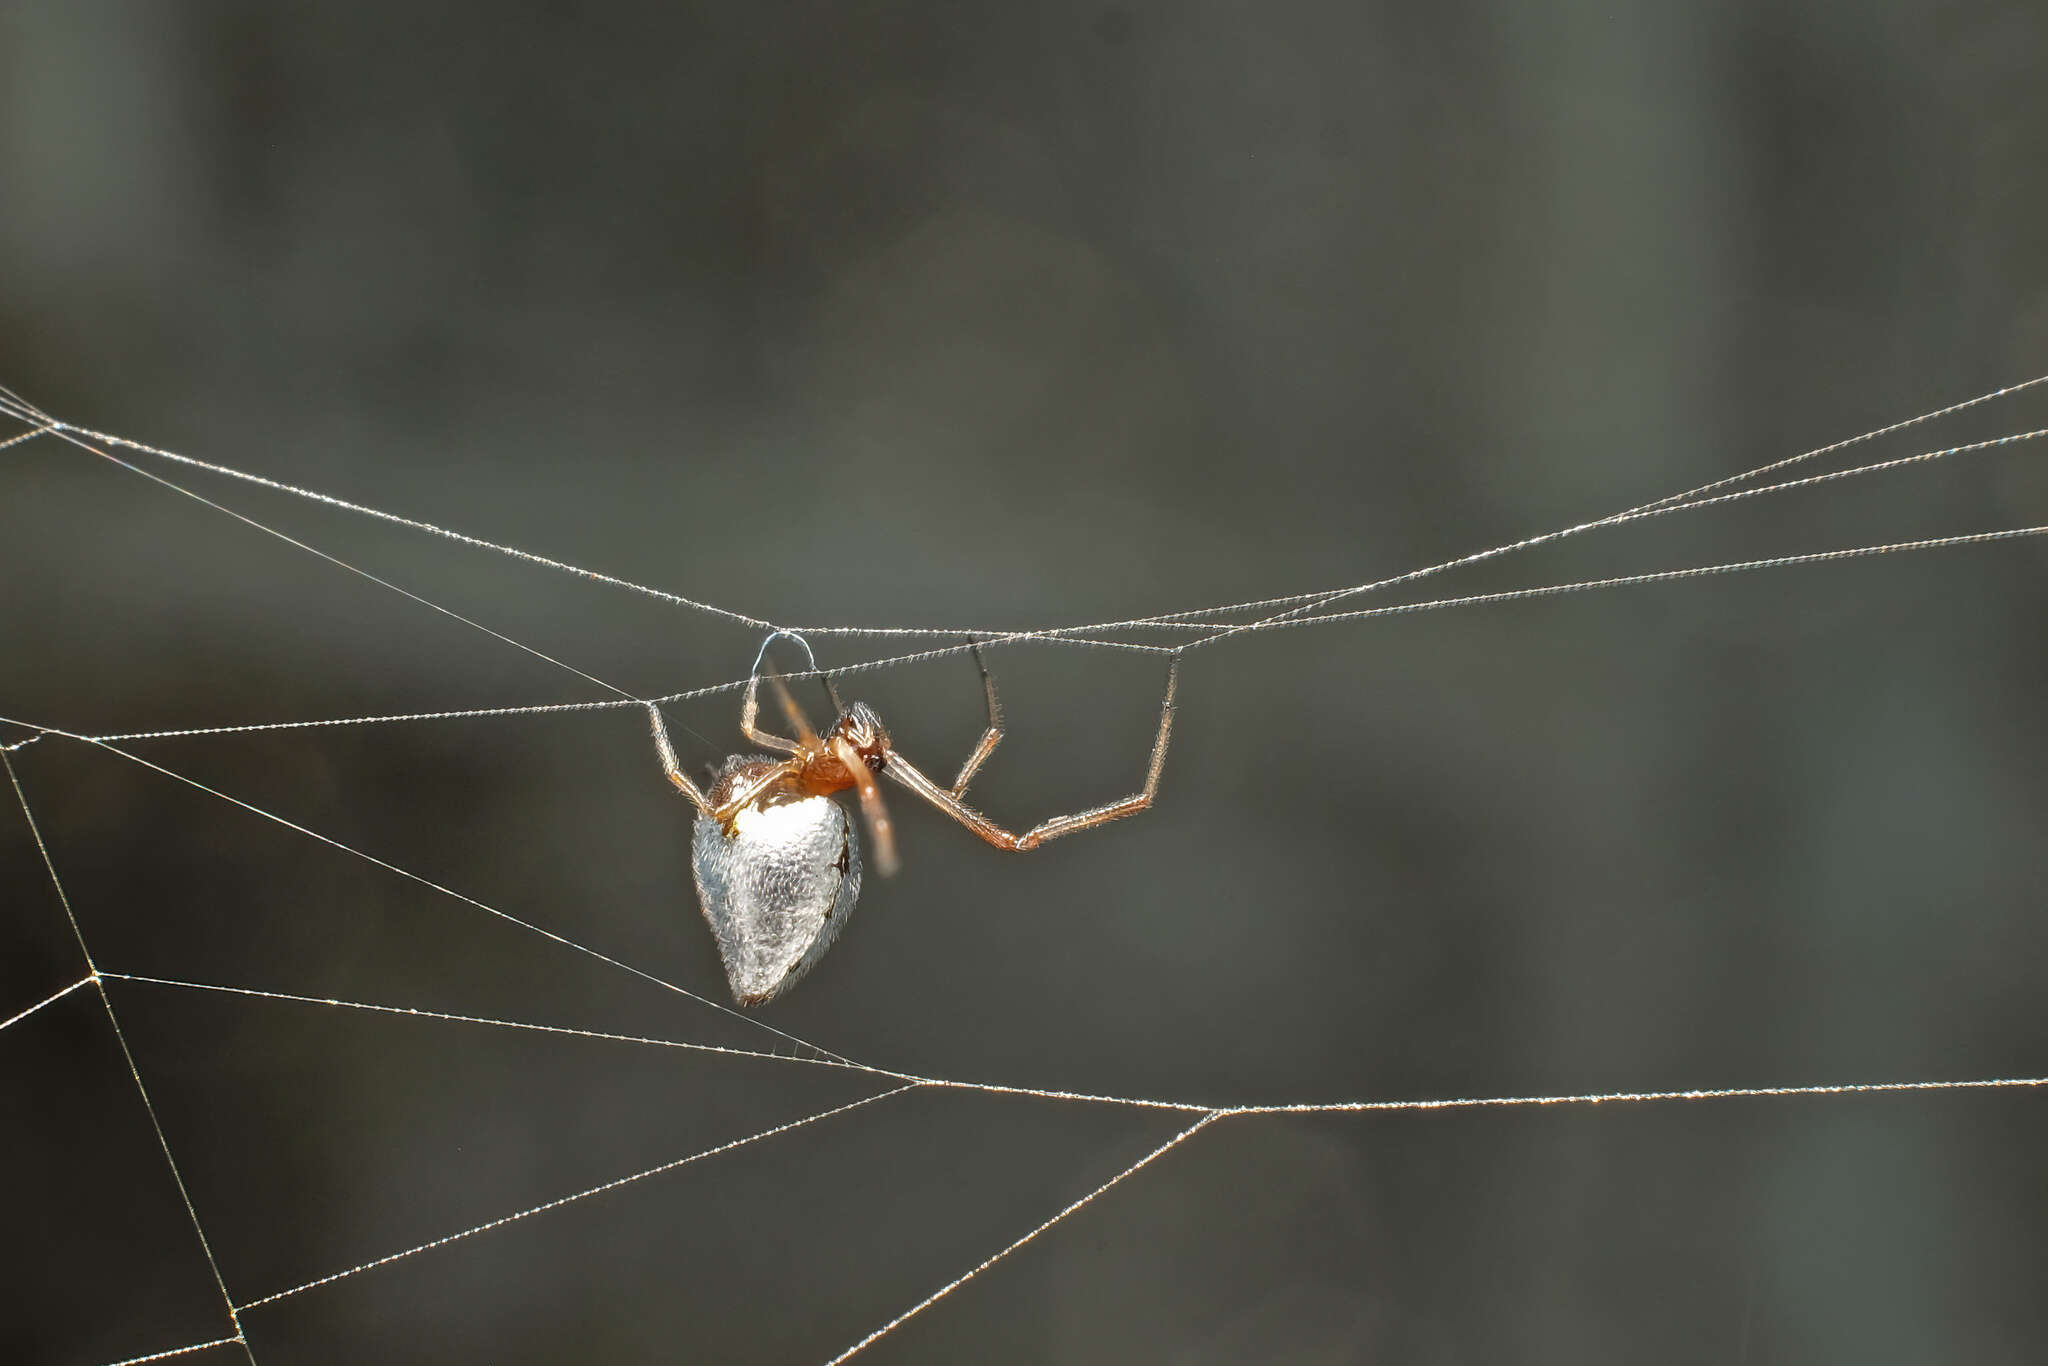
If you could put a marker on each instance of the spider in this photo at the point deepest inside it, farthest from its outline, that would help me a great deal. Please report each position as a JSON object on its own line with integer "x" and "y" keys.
{"x": 777, "y": 861}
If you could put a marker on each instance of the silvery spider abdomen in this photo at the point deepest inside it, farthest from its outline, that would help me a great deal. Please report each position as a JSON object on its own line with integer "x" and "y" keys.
{"x": 777, "y": 881}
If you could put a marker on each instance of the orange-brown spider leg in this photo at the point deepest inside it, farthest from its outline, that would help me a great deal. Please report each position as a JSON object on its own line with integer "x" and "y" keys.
{"x": 751, "y": 708}
{"x": 724, "y": 812}
{"x": 871, "y": 804}
{"x": 991, "y": 737}
{"x": 906, "y": 773}
{"x": 666, "y": 752}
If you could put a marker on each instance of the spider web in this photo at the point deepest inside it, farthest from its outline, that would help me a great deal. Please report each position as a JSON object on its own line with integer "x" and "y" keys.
{"x": 670, "y": 1027}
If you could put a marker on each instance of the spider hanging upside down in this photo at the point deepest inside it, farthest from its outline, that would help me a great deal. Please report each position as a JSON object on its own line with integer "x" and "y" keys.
{"x": 777, "y": 861}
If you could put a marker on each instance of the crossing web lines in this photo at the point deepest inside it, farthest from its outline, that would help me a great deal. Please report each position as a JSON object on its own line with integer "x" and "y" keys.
{"x": 731, "y": 1037}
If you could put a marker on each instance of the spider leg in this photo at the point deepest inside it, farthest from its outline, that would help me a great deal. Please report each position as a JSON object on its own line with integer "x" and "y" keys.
{"x": 871, "y": 805}
{"x": 750, "y": 709}
{"x": 666, "y": 752}
{"x": 991, "y": 737}
{"x": 725, "y": 810}
{"x": 746, "y": 794}
{"x": 906, "y": 773}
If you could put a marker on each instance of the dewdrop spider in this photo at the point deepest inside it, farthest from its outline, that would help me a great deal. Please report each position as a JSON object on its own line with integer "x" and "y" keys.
{"x": 777, "y": 860}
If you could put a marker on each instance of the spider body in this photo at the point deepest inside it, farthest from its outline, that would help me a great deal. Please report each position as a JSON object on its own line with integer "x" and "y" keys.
{"x": 829, "y": 768}
{"x": 777, "y": 860}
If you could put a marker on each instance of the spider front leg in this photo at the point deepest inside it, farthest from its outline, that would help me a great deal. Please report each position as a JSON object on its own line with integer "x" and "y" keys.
{"x": 906, "y": 773}
{"x": 751, "y": 708}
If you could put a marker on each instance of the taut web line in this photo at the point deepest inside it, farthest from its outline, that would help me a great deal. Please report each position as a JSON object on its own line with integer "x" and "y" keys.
{"x": 18, "y": 407}
{"x": 432, "y": 885}
{"x": 49, "y": 1000}
{"x": 1207, "y": 1113}
{"x": 1304, "y": 609}
{"x": 1303, "y": 606}
{"x": 1221, "y": 632}
{"x": 514, "y": 1217}
{"x": 127, "y": 1055}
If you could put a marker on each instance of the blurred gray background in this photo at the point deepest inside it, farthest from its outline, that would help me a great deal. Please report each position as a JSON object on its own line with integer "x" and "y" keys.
{"x": 999, "y": 314}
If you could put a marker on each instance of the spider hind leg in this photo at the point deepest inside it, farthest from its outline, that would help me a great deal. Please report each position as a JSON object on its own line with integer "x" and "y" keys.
{"x": 904, "y": 772}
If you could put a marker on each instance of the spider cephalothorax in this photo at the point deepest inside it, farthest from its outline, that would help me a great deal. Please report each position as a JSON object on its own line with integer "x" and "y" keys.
{"x": 776, "y": 860}
{"x": 850, "y": 754}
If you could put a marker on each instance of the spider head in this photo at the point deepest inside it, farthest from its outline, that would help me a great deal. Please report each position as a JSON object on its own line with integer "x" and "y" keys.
{"x": 860, "y": 727}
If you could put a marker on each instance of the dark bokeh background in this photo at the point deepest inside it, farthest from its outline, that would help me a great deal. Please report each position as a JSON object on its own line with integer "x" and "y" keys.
{"x": 1002, "y": 314}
